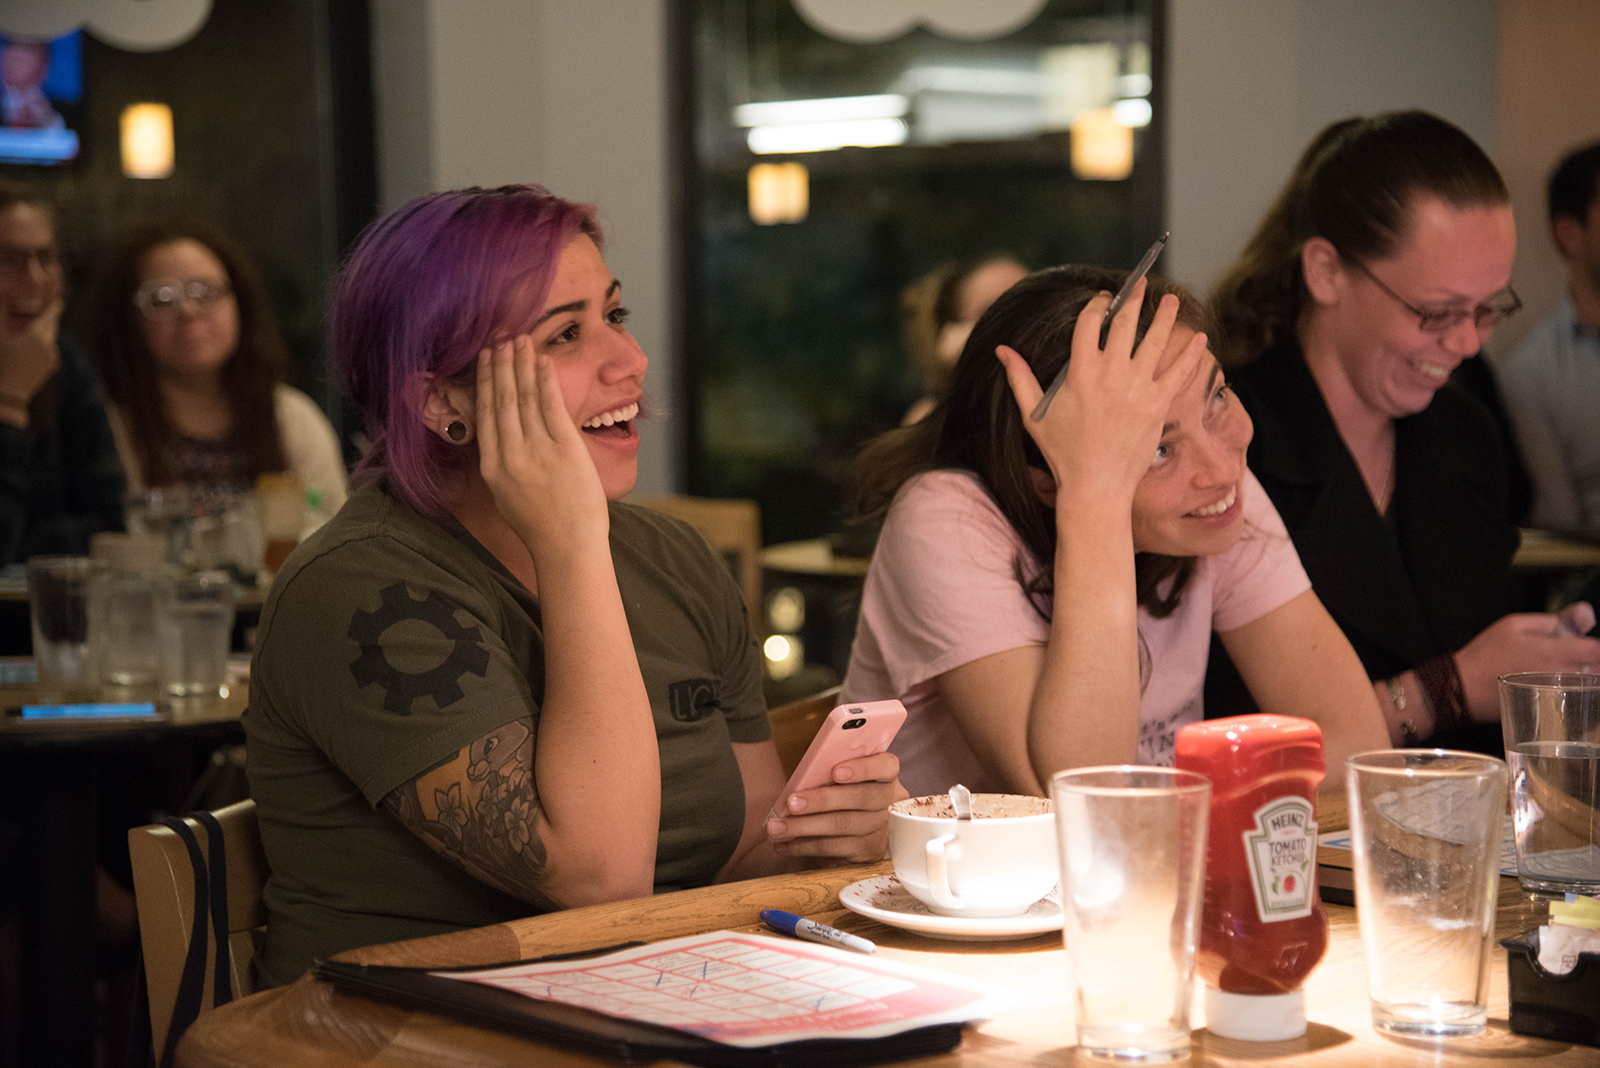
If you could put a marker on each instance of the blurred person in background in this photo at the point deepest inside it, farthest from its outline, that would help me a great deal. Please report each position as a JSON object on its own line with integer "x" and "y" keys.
{"x": 1552, "y": 379}
{"x": 24, "y": 66}
{"x": 1384, "y": 265}
{"x": 60, "y": 482}
{"x": 59, "y": 477}
{"x": 937, "y": 312}
{"x": 193, "y": 363}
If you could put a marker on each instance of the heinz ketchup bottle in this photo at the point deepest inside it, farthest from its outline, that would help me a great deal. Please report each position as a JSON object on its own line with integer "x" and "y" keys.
{"x": 1261, "y": 929}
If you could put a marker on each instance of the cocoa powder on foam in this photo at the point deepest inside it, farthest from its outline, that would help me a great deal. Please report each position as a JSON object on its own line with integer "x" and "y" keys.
{"x": 984, "y": 806}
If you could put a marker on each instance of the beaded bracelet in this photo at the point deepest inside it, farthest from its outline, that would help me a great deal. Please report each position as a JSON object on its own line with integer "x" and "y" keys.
{"x": 1441, "y": 686}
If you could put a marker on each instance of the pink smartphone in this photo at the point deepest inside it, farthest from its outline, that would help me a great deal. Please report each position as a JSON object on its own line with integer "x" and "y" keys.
{"x": 850, "y": 731}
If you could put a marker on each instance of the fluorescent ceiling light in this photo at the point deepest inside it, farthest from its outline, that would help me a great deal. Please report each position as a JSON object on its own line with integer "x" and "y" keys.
{"x": 979, "y": 81}
{"x": 1135, "y": 112}
{"x": 826, "y": 109}
{"x": 823, "y": 136}
{"x": 1134, "y": 85}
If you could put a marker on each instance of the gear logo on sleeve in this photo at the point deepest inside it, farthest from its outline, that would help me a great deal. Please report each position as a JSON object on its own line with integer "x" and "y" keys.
{"x": 402, "y": 687}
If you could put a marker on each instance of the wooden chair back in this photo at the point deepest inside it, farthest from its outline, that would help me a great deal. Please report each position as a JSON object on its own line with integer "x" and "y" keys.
{"x": 163, "y": 886}
{"x": 733, "y": 529}
{"x": 796, "y": 723}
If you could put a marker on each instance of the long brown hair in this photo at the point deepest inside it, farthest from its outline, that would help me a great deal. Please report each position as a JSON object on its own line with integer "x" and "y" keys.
{"x": 976, "y": 425}
{"x": 128, "y": 368}
{"x": 1354, "y": 186}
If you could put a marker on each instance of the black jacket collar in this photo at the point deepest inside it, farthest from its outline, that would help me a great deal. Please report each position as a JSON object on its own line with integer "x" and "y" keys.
{"x": 1420, "y": 582}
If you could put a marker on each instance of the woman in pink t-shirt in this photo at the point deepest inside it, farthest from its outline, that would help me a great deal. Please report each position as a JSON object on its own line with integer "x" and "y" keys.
{"x": 1043, "y": 594}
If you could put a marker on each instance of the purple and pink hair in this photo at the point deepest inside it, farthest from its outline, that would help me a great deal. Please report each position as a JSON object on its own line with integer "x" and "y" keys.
{"x": 424, "y": 290}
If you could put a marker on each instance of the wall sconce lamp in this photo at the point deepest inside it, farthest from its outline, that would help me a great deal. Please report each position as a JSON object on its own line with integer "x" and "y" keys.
{"x": 779, "y": 193}
{"x": 1102, "y": 147}
{"x": 147, "y": 150}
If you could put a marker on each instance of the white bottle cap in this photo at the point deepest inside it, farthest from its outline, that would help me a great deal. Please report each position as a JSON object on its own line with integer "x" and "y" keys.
{"x": 1256, "y": 1017}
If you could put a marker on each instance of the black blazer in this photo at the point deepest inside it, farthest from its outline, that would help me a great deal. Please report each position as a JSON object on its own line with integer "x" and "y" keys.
{"x": 1423, "y": 580}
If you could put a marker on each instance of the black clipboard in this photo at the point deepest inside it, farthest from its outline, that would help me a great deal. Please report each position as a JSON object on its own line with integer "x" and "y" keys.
{"x": 626, "y": 1041}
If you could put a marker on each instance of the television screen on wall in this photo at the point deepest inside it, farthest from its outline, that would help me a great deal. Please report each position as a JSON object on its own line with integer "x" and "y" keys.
{"x": 41, "y": 87}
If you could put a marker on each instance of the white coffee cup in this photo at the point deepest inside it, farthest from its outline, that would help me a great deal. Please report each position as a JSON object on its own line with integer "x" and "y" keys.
{"x": 996, "y": 864}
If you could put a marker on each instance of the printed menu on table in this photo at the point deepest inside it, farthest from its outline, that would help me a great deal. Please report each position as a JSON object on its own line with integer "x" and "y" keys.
{"x": 750, "y": 990}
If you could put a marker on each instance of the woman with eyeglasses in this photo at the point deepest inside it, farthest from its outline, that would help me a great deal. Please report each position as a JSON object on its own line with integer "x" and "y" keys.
{"x": 193, "y": 363}
{"x": 1384, "y": 264}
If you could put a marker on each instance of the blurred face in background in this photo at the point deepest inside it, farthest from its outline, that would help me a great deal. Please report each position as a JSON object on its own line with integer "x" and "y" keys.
{"x": 1579, "y": 242}
{"x": 978, "y": 290}
{"x": 30, "y": 267}
{"x": 23, "y": 64}
{"x": 196, "y": 333}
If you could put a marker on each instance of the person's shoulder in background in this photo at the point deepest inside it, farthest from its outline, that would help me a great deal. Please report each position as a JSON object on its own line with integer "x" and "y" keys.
{"x": 310, "y": 446}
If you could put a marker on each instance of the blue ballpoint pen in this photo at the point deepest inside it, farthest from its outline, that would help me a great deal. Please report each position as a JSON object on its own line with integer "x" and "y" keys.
{"x": 800, "y": 927}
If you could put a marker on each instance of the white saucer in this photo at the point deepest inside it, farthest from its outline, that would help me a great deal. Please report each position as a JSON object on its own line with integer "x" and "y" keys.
{"x": 885, "y": 900}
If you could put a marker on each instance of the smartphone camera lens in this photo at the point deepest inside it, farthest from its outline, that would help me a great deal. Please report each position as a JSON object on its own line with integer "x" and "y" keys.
{"x": 852, "y": 724}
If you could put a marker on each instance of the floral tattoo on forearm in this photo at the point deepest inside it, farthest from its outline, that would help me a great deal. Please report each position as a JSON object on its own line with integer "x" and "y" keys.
{"x": 478, "y": 808}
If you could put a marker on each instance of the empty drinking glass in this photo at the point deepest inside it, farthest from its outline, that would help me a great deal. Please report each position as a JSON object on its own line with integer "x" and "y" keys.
{"x": 194, "y": 624}
{"x": 1133, "y": 852}
{"x": 1425, "y": 824}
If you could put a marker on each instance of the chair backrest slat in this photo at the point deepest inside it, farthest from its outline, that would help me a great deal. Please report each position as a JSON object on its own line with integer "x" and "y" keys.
{"x": 163, "y": 881}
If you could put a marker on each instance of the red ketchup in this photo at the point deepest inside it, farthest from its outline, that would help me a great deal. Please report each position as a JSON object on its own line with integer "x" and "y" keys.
{"x": 1262, "y": 929}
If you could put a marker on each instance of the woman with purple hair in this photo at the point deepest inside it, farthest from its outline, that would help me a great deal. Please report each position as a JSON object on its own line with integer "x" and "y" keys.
{"x": 488, "y": 687}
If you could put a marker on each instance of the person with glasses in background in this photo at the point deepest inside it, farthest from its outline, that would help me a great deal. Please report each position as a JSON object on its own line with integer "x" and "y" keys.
{"x": 59, "y": 477}
{"x": 1384, "y": 265}
{"x": 193, "y": 362}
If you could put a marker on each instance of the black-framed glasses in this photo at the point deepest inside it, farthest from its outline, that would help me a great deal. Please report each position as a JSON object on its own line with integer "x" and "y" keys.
{"x": 1485, "y": 316}
{"x": 165, "y": 298}
{"x": 14, "y": 259}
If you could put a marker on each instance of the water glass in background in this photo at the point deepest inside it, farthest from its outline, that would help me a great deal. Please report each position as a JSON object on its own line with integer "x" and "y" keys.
{"x": 166, "y": 513}
{"x": 122, "y": 623}
{"x": 194, "y": 625}
{"x": 1133, "y": 850}
{"x": 1425, "y": 824}
{"x": 129, "y": 552}
{"x": 58, "y": 597}
{"x": 1552, "y": 734}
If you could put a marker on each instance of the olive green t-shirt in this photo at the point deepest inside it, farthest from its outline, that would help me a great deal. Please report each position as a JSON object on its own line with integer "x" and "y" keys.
{"x": 389, "y": 643}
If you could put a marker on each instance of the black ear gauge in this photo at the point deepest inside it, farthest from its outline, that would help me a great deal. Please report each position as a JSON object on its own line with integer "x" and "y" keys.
{"x": 456, "y": 431}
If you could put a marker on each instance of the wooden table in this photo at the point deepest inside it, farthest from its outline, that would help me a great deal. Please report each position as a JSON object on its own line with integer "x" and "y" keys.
{"x": 1543, "y": 550}
{"x": 814, "y": 556}
{"x": 309, "y": 1024}
{"x": 52, "y": 765}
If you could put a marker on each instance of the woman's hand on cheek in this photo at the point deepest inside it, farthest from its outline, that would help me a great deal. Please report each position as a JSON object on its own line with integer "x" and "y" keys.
{"x": 845, "y": 823}
{"x": 532, "y": 455}
{"x": 1101, "y": 433}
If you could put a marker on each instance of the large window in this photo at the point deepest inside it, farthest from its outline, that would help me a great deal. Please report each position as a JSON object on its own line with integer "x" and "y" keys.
{"x": 829, "y": 169}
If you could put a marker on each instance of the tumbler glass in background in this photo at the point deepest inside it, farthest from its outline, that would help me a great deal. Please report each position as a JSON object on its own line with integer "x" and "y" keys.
{"x": 122, "y": 624}
{"x": 1425, "y": 824}
{"x": 130, "y": 552}
{"x": 1133, "y": 850}
{"x": 165, "y": 512}
{"x": 194, "y": 625}
{"x": 1552, "y": 734}
{"x": 58, "y": 599}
